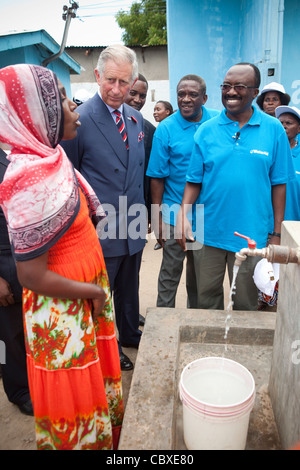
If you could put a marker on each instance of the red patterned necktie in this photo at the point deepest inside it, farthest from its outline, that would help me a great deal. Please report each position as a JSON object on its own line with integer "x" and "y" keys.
{"x": 121, "y": 127}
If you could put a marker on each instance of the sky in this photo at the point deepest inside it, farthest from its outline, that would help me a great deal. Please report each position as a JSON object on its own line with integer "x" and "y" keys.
{"x": 94, "y": 24}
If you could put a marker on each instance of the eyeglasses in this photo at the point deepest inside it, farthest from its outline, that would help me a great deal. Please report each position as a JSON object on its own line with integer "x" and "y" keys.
{"x": 226, "y": 87}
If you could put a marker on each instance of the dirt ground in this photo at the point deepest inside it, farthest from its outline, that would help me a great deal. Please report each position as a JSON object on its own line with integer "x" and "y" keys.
{"x": 16, "y": 429}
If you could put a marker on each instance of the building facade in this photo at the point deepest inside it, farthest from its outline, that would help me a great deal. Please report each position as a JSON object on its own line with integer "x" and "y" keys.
{"x": 34, "y": 47}
{"x": 153, "y": 64}
{"x": 207, "y": 37}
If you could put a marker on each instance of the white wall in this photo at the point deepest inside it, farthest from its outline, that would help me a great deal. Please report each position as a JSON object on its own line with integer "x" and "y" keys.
{"x": 158, "y": 90}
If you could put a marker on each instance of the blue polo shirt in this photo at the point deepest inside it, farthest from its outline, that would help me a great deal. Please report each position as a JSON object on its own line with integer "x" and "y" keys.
{"x": 170, "y": 155}
{"x": 292, "y": 205}
{"x": 237, "y": 172}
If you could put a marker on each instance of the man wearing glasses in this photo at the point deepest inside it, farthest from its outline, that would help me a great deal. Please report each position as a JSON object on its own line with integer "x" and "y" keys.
{"x": 240, "y": 165}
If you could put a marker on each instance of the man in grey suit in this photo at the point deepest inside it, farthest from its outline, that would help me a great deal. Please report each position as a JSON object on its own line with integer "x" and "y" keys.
{"x": 113, "y": 163}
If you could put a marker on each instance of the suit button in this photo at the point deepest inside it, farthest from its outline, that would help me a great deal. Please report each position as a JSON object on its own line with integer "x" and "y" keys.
{"x": 116, "y": 170}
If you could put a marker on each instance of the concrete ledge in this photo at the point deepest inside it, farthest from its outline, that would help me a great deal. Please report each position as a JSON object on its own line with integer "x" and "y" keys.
{"x": 151, "y": 411}
{"x": 285, "y": 372}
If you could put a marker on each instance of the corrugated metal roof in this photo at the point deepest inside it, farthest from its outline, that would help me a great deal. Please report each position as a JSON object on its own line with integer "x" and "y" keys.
{"x": 15, "y": 39}
{"x": 93, "y": 46}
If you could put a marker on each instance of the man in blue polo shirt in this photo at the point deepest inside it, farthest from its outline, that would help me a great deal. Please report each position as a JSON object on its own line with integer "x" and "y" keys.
{"x": 240, "y": 165}
{"x": 171, "y": 150}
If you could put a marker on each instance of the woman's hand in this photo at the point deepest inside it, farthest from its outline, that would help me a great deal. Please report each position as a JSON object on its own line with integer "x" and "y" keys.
{"x": 35, "y": 275}
{"x": 98, "y": 304}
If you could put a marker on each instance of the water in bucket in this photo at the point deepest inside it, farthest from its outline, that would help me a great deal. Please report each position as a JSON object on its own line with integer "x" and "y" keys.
{"x": 220, "y": 387}
{"x": 217, "y": 395}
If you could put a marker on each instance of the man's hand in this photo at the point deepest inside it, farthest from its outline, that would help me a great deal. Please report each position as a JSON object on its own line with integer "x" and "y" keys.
{"x": 161, "y": 236}
{"x": 157, "y": 225}
{"x": 157, "y": 191}
{"x": 6, "y": 295}
{"x": 183, "y": 230}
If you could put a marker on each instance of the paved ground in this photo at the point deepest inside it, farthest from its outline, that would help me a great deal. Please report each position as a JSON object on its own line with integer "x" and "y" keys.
{"x": 17, "y": 430}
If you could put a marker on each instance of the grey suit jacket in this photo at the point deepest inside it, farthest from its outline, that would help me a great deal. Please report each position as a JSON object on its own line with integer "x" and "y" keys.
{"x": 115, "y": 174}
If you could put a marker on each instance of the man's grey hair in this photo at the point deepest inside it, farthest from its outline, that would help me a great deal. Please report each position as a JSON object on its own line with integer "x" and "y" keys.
{"x": 119, "y": 54}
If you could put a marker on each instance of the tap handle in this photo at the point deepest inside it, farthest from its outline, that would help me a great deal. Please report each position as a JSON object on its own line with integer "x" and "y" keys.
{"x": 251, "y": 243}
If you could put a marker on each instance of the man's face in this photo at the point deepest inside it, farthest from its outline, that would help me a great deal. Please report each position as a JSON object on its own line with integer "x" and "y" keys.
{"x": 236, "y": 101}
{"x": 136, "y": 97}
{"x": 190, "y": 98}
{"x": 114, "y": 82}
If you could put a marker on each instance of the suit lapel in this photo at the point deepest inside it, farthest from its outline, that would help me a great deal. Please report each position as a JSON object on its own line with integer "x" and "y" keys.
{"x": 131, "y": 126}
{"x": 105, "y": 123}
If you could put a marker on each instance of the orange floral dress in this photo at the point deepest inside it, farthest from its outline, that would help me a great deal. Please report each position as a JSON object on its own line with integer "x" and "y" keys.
{"x": 73, "y": 362}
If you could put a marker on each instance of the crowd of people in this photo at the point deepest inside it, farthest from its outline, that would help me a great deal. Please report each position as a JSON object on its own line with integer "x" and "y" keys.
{"x": 81, "y": 188}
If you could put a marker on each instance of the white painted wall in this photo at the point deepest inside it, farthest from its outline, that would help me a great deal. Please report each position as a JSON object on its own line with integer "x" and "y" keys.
{"x": 158, "y": 90}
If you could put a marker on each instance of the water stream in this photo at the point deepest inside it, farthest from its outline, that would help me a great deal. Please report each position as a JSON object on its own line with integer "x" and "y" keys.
{"x": 230, "y": 304}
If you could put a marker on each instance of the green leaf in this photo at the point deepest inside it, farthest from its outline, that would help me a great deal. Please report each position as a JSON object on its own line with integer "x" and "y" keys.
{"x": 145, "y": 24}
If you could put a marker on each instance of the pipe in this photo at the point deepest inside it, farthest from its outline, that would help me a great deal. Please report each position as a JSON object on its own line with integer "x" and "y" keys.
{"x": 273, "y": 253}
{"x": 267, "y": 44}
{"x": 68, "y": 16}
{"x": 280, "y": 37}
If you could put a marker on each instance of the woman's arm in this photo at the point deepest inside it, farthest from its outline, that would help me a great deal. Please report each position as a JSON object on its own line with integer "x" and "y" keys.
{"x": 35, "y": 275}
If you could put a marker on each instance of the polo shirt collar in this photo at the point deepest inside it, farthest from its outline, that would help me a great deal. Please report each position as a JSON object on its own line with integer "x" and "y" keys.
{"x": 185, "y": 123}
{"x": 255, "y": 119}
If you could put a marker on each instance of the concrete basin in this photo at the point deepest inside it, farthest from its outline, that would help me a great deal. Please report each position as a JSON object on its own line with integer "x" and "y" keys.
{"x": 174, "y": 337}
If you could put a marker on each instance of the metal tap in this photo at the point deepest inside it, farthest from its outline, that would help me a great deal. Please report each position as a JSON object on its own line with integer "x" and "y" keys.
{"x": 273, "y": 253}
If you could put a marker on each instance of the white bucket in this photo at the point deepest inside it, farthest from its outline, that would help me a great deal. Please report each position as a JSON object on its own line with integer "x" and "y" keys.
{"x": 217, "y": 395}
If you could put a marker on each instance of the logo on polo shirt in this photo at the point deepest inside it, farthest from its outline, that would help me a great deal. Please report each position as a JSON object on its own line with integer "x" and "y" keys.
{"x": 260, "y": 152}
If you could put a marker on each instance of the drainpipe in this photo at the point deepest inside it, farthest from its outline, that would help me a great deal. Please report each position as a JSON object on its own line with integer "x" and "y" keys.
{"x": 280, "y": 37}
{"x": 67, "y": 16}
{"x": 274, "y": 14}
{"x": 268, "y": 31}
